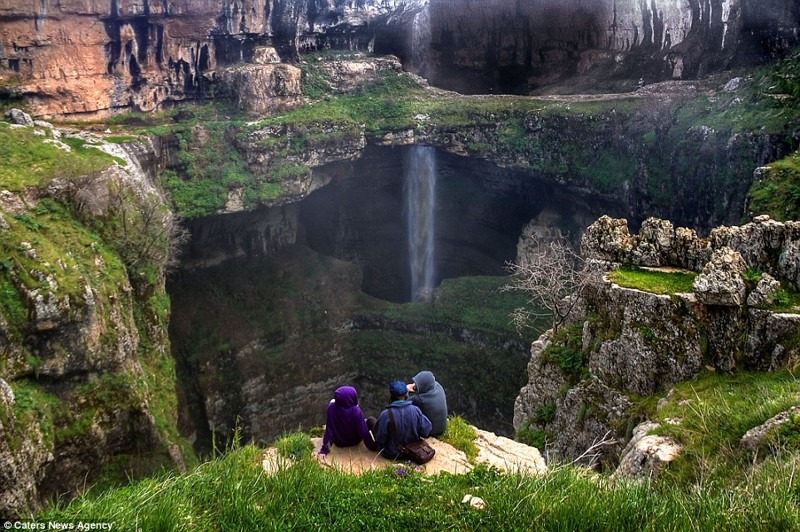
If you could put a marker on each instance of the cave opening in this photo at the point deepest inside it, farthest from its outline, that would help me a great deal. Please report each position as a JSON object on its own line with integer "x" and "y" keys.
{"x": 362, "y": 216}
{"x": 274, "y": 307}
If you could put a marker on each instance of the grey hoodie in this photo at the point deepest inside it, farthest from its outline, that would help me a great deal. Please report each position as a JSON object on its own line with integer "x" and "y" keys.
{"x": 431, "y": 399}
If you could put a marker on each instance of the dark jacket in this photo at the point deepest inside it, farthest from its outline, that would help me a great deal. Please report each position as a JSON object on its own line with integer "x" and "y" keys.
{"x": 431, "y": 399}
{"x": 345, "y": 425}
{"x": 410, "y": 424}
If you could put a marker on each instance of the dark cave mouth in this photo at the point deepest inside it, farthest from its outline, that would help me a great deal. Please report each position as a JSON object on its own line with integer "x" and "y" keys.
{"x": 361, "y": 214}
{"x": 364, "y": 216}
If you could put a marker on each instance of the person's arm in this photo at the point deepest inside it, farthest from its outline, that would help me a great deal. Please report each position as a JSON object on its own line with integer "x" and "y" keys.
{"x": 328, "y": 436}
{"x": 423, "y": 425}
{"x": 381, "y": 430}
{"x": 366, "y": 435}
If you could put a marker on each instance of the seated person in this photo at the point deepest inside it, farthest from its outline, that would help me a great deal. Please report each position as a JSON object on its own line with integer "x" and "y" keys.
{"x": 345, "y": 425}
{"x": 410, "y": 424}
{"x": 429, "y": 396}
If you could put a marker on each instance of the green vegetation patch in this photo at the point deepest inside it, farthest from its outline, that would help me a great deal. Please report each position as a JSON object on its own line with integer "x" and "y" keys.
{"x": 566, "y": 351}
{"x": 295, "y": 446}
{"x": 26, "y": 160}
{"x": 461, "y": 435}
{"x": 784, "y": 300}
{"x": 32, "y": 406}
{"x": 234, "y": 490}
{"x": 776, "y": 191}
{"x": 714, "y": 412}
{"x": 51, "y": 251}
{"x": 654, "y": 281}
{"x": 532, "y": 434}
{"x": 478, "y": 303}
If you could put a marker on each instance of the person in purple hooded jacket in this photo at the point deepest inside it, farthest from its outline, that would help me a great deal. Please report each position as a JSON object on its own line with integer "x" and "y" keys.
{"x": 345, "y": 425}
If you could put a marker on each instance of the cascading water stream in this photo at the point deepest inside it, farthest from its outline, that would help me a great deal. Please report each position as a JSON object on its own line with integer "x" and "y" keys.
{"x": 420, "y": 186}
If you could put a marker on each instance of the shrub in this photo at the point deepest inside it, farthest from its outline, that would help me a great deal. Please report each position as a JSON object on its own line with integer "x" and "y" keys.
{"x": 295, "y": 446}
{"x": 461, "y": 435}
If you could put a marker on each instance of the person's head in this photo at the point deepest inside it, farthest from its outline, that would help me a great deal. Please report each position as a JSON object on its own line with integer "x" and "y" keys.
{"x": 424, "y": 381}
{"x": 398, "y": 390}
{"x": 345, "y": 396}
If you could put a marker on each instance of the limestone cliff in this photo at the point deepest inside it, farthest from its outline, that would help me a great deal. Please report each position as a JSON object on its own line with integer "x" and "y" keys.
{"x": 629, "y": 342}
{"x": 94, "y": 57}
{"x": 520, "y": 46}
{"x": 85, "y": 370}
{"x": 97, "y": 56}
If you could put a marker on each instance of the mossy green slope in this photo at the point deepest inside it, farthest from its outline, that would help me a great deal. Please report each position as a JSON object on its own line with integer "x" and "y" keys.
{"x": 71, "y": 366}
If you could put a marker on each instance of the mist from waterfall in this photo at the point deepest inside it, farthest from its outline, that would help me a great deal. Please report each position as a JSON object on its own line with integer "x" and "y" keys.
{"x": 420, "y": 187}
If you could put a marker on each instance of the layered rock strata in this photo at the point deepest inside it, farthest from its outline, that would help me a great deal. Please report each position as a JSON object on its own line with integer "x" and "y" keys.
{"x": 639, "y": 343}
{"x": 92, "y": 58}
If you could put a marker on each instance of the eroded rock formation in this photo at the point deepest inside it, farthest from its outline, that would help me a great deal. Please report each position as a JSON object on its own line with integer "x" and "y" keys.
{"x": 519, "y": 46}
{"x": 85, "y": 360}
{"x": 95, "y": 57}
{"x": 635, "y": 342}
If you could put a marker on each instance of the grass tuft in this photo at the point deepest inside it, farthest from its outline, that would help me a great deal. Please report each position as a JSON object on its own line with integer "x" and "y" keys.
{"x": 461, "y": 435}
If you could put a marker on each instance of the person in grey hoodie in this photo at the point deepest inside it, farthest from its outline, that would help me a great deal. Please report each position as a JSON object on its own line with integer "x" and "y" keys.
{"x": 429, "y": 396}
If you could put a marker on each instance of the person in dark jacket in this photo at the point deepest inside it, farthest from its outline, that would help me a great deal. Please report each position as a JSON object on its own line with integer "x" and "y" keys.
{"x": 345, "y": 425}
{"x": 429, "y": 396}
{"x": 409, "y": 422}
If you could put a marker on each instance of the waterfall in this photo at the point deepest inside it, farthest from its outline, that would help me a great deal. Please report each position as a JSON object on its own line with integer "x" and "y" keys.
{"x": 420, "y": 170}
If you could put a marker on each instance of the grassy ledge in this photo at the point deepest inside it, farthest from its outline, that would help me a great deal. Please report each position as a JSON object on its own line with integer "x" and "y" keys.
{"x": 233, "y": 493}
{"x": 654, "y": 281}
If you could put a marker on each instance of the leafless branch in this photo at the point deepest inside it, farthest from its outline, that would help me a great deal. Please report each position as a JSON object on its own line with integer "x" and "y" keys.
{"x": 550, "y": 276}
{"x": 593, "y": 452}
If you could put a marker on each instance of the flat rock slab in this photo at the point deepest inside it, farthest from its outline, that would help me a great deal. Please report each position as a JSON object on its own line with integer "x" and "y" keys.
{"x": 496, "y": 451}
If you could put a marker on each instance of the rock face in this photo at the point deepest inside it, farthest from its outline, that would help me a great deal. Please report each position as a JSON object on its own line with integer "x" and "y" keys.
{"x": 91, "y": 58}
{"x": 635, "y": 342}
{"x": 94, "y": 57}
{"x": 81, "y": 347}
{"x": 519, "y": 46}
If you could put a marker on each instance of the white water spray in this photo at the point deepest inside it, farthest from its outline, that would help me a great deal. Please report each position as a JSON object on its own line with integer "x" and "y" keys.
{"x": 420, "y": 176}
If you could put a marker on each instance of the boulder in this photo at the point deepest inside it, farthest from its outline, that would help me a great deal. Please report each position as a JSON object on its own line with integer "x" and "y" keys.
{"x": 607, "y": 239}
{"x": 263, "y": 88}
{"x": 721, "y": 282}
{"x": 764, "y": 291}
{"x": 19, "y": 117}
{"x": 755, "y": 438}
{"x": 646, "y": 455}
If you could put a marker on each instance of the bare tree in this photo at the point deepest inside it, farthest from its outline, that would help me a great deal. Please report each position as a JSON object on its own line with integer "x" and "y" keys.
{"x": 150, "y": 232}
{"x": 552, "y": 275}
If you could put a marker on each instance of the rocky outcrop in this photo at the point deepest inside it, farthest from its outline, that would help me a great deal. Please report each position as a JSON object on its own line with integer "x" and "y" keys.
{"x": 82, "y": 340}
{"x": 494, "y": 451}
{"x": 94, "y": 58}
{"x": 721, "y": 283}
{"x": 646, "y": 455}
{"x": 764, "y": 245}
{"x": 636, "y": 342}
